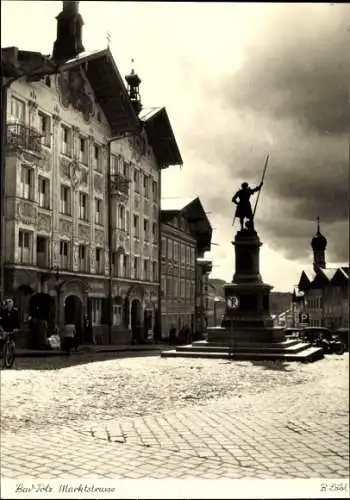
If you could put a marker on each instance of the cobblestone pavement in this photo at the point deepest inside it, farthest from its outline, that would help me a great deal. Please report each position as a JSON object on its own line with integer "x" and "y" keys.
{"x": 296, "y": 430}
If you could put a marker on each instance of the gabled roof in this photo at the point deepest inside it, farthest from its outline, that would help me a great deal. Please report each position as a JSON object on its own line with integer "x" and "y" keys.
{"x": 345, "y": 271}
{"x": 330, "y": 275}
{"x": 329, "y": 272}
{"x": 101, "y": 71}
{"x": 193, "y": 211}
{"x": 175, "y": 204}
{"x": 161, "y": 136}
{"x": 109, "y": 88}
{"x": 340, "y": 277}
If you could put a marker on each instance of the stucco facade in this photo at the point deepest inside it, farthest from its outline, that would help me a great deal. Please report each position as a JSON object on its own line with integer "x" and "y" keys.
{"x": 56, "y": 207}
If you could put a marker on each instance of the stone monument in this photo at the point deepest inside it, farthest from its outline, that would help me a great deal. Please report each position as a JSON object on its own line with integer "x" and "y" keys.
{"x": 247, "y": 330}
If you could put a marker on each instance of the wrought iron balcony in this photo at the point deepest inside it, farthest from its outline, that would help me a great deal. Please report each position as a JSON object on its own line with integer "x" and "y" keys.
{"x": 19, "y": 136}
{"x": 119, "y": 185}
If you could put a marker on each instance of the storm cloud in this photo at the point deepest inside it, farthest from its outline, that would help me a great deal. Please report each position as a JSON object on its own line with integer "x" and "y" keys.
{"x": 289, "y": 97}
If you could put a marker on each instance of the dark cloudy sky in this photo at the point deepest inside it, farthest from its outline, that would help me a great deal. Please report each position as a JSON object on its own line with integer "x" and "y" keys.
{"x": 238, "y": 81}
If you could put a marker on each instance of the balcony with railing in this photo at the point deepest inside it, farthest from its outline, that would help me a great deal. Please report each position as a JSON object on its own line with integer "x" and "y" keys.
{"x": 119, "y": 185}
{"x": 19, "y": 136}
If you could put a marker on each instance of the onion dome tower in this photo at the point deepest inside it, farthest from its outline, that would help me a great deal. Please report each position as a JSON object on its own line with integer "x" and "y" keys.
{"x": 133, "y": 82}
{"x": 319, "y": 244}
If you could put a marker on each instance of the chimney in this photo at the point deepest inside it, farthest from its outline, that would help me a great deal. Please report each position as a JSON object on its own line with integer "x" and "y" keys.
{"x": 68, "y": 44}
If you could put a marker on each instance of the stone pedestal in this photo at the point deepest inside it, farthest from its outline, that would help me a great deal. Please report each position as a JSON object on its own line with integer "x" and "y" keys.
{"x": 247, "y": 330}
{"x": 250, "y": 320}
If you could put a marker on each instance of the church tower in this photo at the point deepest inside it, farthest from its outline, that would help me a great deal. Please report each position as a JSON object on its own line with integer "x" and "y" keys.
{"x": 319, "y": 244}
{"x": 69, "y": 33}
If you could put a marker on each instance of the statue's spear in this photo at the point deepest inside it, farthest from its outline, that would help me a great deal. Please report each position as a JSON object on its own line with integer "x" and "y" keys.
{"x": 262, "y": 180}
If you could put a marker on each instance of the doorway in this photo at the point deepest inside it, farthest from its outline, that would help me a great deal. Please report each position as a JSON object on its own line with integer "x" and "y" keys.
{"x": 136, "y": 320}
{"x": 73, "y": 313}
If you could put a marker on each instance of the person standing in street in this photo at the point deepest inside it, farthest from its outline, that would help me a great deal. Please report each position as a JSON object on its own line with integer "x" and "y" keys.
{"x": 68, "y": 337}
{"x": 9, "y": 317}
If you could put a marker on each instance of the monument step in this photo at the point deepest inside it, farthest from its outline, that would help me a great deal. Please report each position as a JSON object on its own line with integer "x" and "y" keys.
{"x": 254, "y": 345}
{"x": 306, "y": 355}
{"x": 238, "y": 347}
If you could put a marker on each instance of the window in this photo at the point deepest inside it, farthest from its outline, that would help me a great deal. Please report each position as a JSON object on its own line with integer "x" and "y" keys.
{"x": 64, "y": 254}
{"x": 66, "y": 142}
{"x": 115, "y": 259}
{"x": 136, "y": 270}
{"x": 146, "y": 270}
{"x": 176, "y": 287}
{"x": 154, "y": 232}
{"x": 154, "y": 271}
{"x": 126, "y": 271}
{"x": 98, "y": 211}
{"x": 170, "y": 249}
{"x": 45, "y": 129}
{"x": 99, "y": 261}
{"x": 127, "y": 222}
{"x": 154, "y": 191}
{"x": 164, "y": 243}
{"x": 121, "y": 218}
{"x": 96, "y": 311}
{"x": 97, "y": 158}
{"x": 66, "y": 200}
{"x": 182, "y": 288}
{"x": 183, "y": 254}
{"x": 83, "y": 206}
{"x": 146, "y": 229}
{"x": 114, "y": 165}
{"x": 188, "y": 289}
{"x": 193, "y": 257}
{"x": 136, "y": 226}
{"x": 163, "y": 286}
{"x": 176, "y": 251}
{"x": 192, "y": 290}
{"x": 83, "y": 150}
{"x": 17, "y": 110}
{"x": 27, "y": 183}
{"x": 83, "y": 258}
{"x": 44, "y": 192}
{"x": 145, "y": 186}
{"x": 188, "y": 256}
{"x": 42, "y": 251}
{"x": 25, "y": 239}
{"x": 126, "y": 169}
{"x": 137, "y": 181}
{"x": 169, "y": 286}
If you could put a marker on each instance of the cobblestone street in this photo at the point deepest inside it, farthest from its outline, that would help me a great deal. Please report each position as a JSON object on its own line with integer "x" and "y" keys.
{"x": 176, "y": 418}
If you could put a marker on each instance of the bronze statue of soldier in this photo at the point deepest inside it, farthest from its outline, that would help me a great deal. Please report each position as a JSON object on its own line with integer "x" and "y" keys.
{"x": 244, "y": 209}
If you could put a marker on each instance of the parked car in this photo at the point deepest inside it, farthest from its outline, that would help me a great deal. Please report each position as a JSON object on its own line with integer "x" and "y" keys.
{"x": 310, "y": 333}
{"x": 343, "y": 335}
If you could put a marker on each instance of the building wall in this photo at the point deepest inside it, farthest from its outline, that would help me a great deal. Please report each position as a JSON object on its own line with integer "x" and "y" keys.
{"x": 79, "y": 232}
{"x": 328, "y": 307}
{"x": 178, "y": 261}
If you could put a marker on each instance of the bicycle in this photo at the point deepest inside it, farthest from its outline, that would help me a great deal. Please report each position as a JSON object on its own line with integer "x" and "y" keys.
{"x": 7, "y": 349}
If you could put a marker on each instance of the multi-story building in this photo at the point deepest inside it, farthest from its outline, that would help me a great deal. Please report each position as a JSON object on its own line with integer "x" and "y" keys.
{"x": 82, "y": 184}
{"x": 185, "y": 236}
{"x": 325, "y": 289}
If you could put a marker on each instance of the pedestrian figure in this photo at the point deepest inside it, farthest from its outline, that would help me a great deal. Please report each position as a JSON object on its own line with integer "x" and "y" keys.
{"x": 244, "y": 209}
{"x": 9, "y": 319}
{"x": 68, "y": 337}
{"x": 172, "y": 335}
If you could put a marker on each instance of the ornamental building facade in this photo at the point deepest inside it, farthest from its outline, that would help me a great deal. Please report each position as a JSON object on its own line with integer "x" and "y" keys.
{"x": 82, "y": 193}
